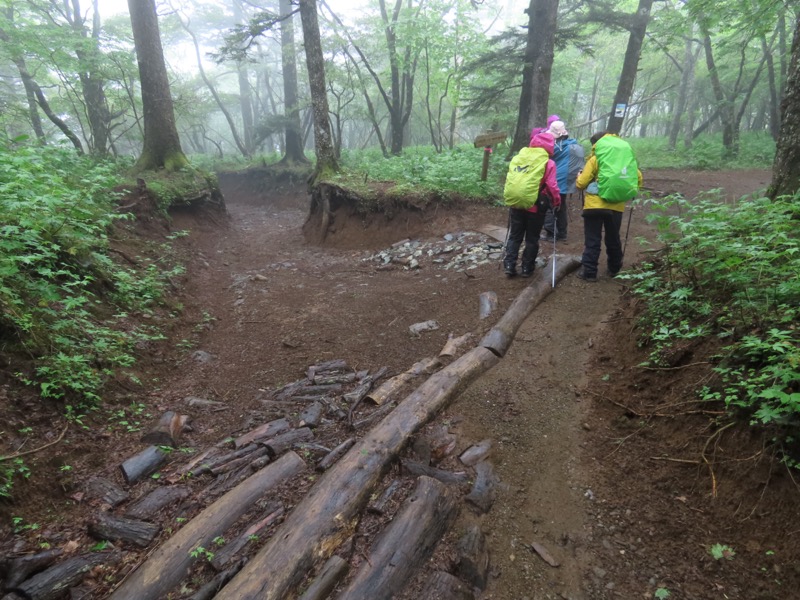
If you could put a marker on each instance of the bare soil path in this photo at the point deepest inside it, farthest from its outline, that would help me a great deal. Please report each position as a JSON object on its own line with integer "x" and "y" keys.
{"x": 576, "y": 473}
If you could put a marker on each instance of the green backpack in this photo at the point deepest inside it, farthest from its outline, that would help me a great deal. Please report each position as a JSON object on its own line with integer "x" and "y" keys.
{"x": 618, "y": 171}
{"x": 524, "y": 177}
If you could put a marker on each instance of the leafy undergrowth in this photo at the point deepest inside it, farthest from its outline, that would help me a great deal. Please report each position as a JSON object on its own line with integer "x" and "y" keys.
{"x": 731, "y": 271}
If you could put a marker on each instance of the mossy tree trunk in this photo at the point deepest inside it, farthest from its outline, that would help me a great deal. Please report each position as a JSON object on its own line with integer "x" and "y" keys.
{"x": 162, "y": 146}
{"x": 786, "y": 169}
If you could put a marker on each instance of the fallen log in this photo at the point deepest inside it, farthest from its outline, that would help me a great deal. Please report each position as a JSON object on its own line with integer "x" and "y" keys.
{"x": 406, "y": 543}
{"x": 499, "y": 338}
{"x": 289, "y": 389}
{"x": 329, "y": 379}
{"x": 443, "y": 586}
{"x": 237, "y": 463}
{"x": 263, "y": 431}
{"x": 180, "y": 472}
{"x": 392, "y": 386}
{"x": 52, "y": 583}
{"x": 209, "y": 590}
{"x": 147, "y": 507}
{"x": 334, "y": 455}
{"x": 112, "y": 528}
{"x": 328, "y": 514}
{"x": 473, "y": 558}
{"x": 487, "y": 304}
{"x": 281, "y": 443}
{"x": 446, "y": 477}
{"x": 148, "y": 461}
{"x": 229, "y": 550}
{"x": 483, "y": 490}
{"x": 475, "y": 454}
{"x": 338, "y": 364}
{"x": 379, "y": 506}
{"x": 170, "y": 562}
{"x": 208, "y": 466}
{"x": 355, "y": 397}
{"x": 454, "y": 344}
{"x": 167, "y": 431}
{"x": 312, "y": 416}
{"x": 106, "y": 491}
{"x": 332, "y": 571}
{"x": 18, "y": 569}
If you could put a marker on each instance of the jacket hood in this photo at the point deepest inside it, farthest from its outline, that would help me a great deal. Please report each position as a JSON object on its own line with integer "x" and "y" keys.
{"x": 543, "y": 140}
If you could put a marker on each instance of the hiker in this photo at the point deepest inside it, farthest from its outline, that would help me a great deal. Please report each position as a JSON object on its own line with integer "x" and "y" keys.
{"x": 537, "y": 130}
{"x": 610, "y": 177}
{"x": 568, "y": 156}
{"x": 531, "y": 187}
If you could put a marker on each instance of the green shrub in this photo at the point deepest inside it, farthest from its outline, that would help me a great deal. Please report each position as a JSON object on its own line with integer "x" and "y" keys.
{"x": 733, "y": 271}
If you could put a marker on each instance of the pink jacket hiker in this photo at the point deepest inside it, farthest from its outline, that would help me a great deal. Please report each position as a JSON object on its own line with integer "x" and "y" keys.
{"x": 549, "y": 182}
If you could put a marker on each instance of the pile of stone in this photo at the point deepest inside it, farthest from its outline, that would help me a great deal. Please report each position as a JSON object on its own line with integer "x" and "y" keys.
{"x": 457, "y": 252}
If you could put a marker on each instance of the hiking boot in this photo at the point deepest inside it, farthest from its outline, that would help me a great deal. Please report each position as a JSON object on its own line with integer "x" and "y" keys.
{"x": 509, "y": 268}
{"x": 527, "y": 271}
{"x": 582, "y": 274}
{"x": 561, "y": 238}
{"x": 611, "y": 273}
{"x": 546, "y": 235}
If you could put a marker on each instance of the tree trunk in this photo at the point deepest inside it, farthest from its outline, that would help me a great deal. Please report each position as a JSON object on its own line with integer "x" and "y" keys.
{"x": 689, "y": 58}
{"x": 539, "y": 52}
{"x": 774, "y": 101}
{"x": 726, "y": 109}
{"x": 245, "y": 93}
{"x": 315, "y": 63}
{"x": 629, "y": 66}
{"x": 786, "y": 169}
{"x": 162, "y": 146}
{"x": 293, "y": 131}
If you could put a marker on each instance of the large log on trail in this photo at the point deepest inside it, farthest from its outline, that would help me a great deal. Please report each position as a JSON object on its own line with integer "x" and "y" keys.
{"x": 143, "y": 464}
{"x": 54, "y": 582}
{"x": 443, "y": 586}
{"x": 146, "y": 508}
{"x": 167, "y": 431}
{"x": 109, "y": 527}
{"x": 406, "y": 543}
{"x": 261, "y": 432}
{"x": 171, "y": 561}
{"x": 17, "y": 570}
{"x": 392, "y": 386}
{"x": 328, "y": 514}
{"x": 499, "y": 338}
{"x": 332, "y": 571}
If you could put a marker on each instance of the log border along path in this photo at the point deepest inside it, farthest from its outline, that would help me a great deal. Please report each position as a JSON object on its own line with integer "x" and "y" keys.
{"x": 327, "y": 516}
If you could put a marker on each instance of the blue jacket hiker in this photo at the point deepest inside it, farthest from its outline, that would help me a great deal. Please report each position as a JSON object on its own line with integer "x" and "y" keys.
{"x": 568, "y": 156}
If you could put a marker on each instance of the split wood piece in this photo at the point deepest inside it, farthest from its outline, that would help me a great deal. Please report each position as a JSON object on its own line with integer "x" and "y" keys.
{"x": 307, "y": 389}
{"x": 289, "y": 389}
{"x": 475, "y": 454}
{"x": 147, "y": 507}
{"x": 334, "y": 455}
{"x": 208, "y": 466}
{"x": 18, "y": 569}
{"x": 281, "y": 443}
{"x": 51, "y": 583}
{"x": 328, "y": 515}
{"x": 324, "y": 398}
{"x": 326, "y": 379}
{"x": 229, "y": 550}
{"x": 355, "y": 397}
{"x": 392, "y": 386}
{"x": 167, "y": 431}
{"x": 260, "y": 463}
{"x": 454, "y": 345}
{"x": 499, "y": 338}
{"x": 239, "y": 462}
{"x": 406, "y": 543}
{"x": 170, "y": 562}
{"x": 312, "y": 416}
{"x": 375, "y": 415}
{"x": 544, "y": 554}
{"x": 262, "y": 431}
{"x": 209, "y": 590}
{"x": 338, "y": 364}
{"x": 435, "y": 445}
{"x": 106, "y": 491}
{"x": 180, "y": 472}
{"x": 483, "y": 491}
{"x": 488, "y": 304}
{"x": 379, "y": 506}
{"x": 109, "y": 527}
{"x": 143, "y": 464}
{"x": 443, "y": 586}
{"x": 226, "y": 481}
{"x": 334, "y": 569}
{"x": 473, "y": 558}
{"x": 447, "y": 477}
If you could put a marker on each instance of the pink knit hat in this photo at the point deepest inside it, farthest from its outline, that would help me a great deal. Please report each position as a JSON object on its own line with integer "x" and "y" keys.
{"x": 552, "y": 118}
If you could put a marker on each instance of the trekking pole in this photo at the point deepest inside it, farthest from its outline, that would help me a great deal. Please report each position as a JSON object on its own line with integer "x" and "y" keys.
{"x": 508, "y": 232}
{"x": 627, "y": 230}
{"x": 555, "y": 228}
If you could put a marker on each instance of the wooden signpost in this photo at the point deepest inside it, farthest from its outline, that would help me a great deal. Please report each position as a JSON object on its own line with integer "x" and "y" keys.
{"x": 487, "y": 140}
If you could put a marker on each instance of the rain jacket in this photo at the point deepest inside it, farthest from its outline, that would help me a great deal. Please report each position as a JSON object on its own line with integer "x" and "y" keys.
{"x": 561, "y": 154}
{"x": 549, "y": 183}
{"x": 589, "y": 175}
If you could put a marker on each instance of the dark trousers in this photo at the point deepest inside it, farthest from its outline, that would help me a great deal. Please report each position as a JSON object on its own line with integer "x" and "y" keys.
{"x": 560, "y": 219}
{"x": 523, "y": 225}
{"x": 596, "y": 221}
